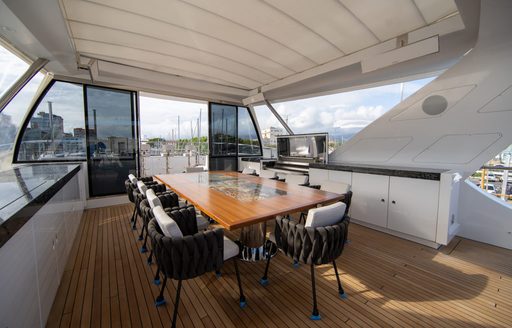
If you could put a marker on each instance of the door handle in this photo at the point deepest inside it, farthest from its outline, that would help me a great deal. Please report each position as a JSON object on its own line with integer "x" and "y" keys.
{"x": 382, "y": 200}
{"x": 393, "y": 202}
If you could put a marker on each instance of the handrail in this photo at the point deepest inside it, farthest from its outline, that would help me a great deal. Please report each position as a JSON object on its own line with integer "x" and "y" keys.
{"x": 22, "y": 81}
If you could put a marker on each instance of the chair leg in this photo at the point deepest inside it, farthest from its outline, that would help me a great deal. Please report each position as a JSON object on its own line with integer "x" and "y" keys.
{"x": 176, "y": 303}
{"x": 156, "y": 280}
{"x": 144, "y": 247}
{"x": 150, "y": 257}
{"x": 133, "y": 213}
{"x": 160, "y": 300}
{"x": 341, "y": 292}
{"x": 134, "y": 222}
{"x": 264, "y": 279}
{"x": 141, "y": 234}
{"x": 315, "y": 315}
{"x": 243, "y": 302}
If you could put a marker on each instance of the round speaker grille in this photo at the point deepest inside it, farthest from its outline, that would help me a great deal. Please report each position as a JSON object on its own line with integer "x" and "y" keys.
{"x": 434, "y": 105}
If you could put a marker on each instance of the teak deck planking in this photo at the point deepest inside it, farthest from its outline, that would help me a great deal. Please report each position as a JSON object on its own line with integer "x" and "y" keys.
{"x": 232, "y": 213}
{"x": 390, "y": 283}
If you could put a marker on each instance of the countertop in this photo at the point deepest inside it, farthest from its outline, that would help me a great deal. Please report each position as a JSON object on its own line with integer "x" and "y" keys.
{"x": 25, "y": 189}
{"x": 406, "y": 172}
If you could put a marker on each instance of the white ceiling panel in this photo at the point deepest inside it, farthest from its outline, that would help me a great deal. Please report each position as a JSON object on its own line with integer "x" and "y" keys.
{"x": 105, "y": 60}
{"x": 246, "y": 44}
{"x": 83, "y": 31}
{"x": 162, "y": 60}
{"x": 386, "y": 19}
{"x": 276, "y": 25}
{"x": 199, "y": 21}
{"x": 433, "y": 10}
{"x": 91, "y": 13}
{"x": 337, "y": 24}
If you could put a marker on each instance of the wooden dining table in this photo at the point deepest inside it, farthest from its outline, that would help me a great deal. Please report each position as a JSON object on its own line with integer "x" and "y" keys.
{"x": 246, "y": 202}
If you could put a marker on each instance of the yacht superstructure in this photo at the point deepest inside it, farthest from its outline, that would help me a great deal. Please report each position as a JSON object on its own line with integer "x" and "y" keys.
{"x": 406, "y": 171}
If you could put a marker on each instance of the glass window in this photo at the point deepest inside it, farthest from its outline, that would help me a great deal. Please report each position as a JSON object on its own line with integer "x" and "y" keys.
{"x": 223, "y": 130}
{"x": 248, "y": 141}
{"x": 12, "y": 68}
{"x": 12, "y": 116}
{"x": 495, "y": 176}
{"x": 111, "y": 139}
{"x": 270, "y": 128}
{"x": 174, "y": 134}
{"x": 56, "y": 130}
{"x": 110, "y": 123}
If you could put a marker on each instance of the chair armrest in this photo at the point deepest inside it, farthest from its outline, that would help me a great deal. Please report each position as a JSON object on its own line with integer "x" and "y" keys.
{"x": 157, "y": 188}
{"x": 146, "y": 179}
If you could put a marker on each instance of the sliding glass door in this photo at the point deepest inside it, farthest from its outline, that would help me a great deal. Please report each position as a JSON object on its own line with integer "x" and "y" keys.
{"x": 111, "y": 141}
{"x": 232, "y": 134}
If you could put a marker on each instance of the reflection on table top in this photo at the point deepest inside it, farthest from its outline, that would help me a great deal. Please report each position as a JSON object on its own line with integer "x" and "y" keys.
{"x": 239, "y": 188}
{"x": 237, "y": 200}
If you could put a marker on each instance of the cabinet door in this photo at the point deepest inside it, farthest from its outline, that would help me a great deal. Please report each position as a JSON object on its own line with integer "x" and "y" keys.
{"x": 341, "y": 176}
{"x": 413, "y": 206}
{"x": 370, "y": 198}
{"x": 316, "y": 176}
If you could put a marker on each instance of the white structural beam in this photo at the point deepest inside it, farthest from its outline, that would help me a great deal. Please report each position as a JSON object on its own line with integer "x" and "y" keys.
{"x": 22, "y": 81}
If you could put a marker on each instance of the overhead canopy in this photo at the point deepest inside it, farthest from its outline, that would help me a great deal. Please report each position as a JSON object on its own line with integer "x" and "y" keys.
{"x": 231, "y": 50}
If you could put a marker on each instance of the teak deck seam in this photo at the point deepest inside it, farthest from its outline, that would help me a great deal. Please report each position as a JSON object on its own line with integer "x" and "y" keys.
{"x": 390, "y": 282}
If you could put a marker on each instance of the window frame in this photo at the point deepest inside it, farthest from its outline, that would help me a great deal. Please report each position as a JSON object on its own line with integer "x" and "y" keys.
{"x": 258, "y": 133}
{"x": 28, "y": 116}
{"x": 210, "y": 139}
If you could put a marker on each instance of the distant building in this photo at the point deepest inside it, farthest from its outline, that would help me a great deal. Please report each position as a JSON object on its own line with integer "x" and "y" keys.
{"x": 79, "y": 132}
{"x": 269, "y": 135}
{"x": 43, "y": 123}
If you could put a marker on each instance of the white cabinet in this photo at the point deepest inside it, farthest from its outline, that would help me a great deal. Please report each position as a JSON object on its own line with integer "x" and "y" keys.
{"x": 370, "y": 198}
{"x": 34, "y": 259}
{"x": 316, "y": 176}
{"x": 341, "y": 176}
{"x": 413, "y": 205}
{"x": 417, "y": 209}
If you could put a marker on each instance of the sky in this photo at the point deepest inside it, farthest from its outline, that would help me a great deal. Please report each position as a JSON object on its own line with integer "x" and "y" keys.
{"x": 159, "y": 117}
{"x": 339, "y": 114}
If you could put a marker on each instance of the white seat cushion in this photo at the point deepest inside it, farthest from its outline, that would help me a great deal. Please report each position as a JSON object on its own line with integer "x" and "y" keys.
{"x": 230, "y": 248}
{"x": 296, "y": 179}
{"x": 326, "y": 215}
{"x": 202, "y": 222}
{"x": 248, "y": 171}
{"x": 153, "y": 200}
{"x": 142, "y": 187}
{"x": 268, "y": 174}
{"x": 335, "y": 187}
{"x": 169, "y": 227}
{"x": 132, "y": 178}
